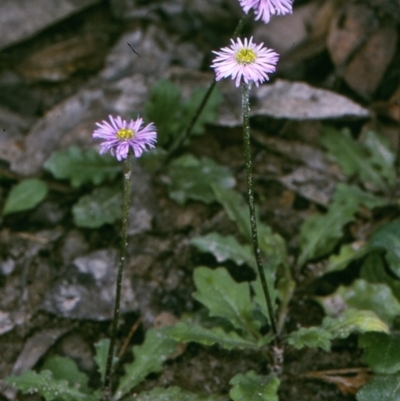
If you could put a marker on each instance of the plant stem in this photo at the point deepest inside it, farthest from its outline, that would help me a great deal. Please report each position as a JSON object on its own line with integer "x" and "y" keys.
{"x": 253, "y": 220}
{"x": 124, "y": 239}
{"x": 178, "y": 141}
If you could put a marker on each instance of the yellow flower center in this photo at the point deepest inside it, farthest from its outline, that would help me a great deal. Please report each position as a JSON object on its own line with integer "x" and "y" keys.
{"x": 245, "y": 56}
{"x": 125, "y": 133}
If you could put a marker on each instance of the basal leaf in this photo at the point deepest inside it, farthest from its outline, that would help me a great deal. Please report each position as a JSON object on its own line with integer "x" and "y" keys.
{"x": 320, "y": 233}
{"x": 48, "y": 387}
{"x": 387, "y": 237}
{"x": 224, "y": 248}
{"x": 259, "y": 297}
{"x": 26, "y": 195}
{"x": 347, "y": 254}
{"x": 102, "y": 206}
{"x": 101, "y": 356}
{"x": 225, "y": 298}
{"x": 148, "y": 358}
{"x": 66, "y": 369}
{"x": 381, "y": 352}
{"x": 381, "y": 388}
{"x": 353, "y": 321}
{"x": 362, "y": 295}
{"x": 353, "y": 157}
{"x": 82, "y": 166}
{"x": 250, "y": 386}
{"x": 174, "y": 394}
{"x": 190, "y": 178}
{"x": 185, "y": 332}
{"x": 311, "y": 337}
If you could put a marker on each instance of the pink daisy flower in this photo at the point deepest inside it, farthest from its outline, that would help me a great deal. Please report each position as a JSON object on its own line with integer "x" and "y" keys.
{"x": 265, "y": 8}
{"x": 120, "y": 135}
{"x": 245, "y": 60}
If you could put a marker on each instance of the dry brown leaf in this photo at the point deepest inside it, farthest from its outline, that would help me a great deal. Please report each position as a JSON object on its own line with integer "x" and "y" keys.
{"x": 361, "y": 47}
{"x": 348, "y": 381}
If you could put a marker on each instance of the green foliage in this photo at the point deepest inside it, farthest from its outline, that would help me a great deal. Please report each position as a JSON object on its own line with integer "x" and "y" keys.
{"x": 81, "y": 167}
{"x": 26, "y": 195}
{"x": 186, "y": 332}
{"x": 225, "y": 298}
{"x": 363, "y": 295}
{"x": 173, "y": 394}
{"x": 250, "y": 386}
{"x": 320, "y": 233}
{"x": 172, "y": 114}
{"x": 387, "y": 238}
{"x": 101, "y": 356}
{"x": 45, "y": 384}
{"x": 102, "y": 206}
{"x": 381, "y": 388}
{"x": 148, "y": 358}
{"x": 190, "y": 178}
{"x": 353, "y": 321}
{"x": 372, "y": 161}
{"x": 311, "y": 337}
{"x": 346, "y": 255}
{"x": 66, "y": 369}
{"x": 224, "y": 248}
{"x": 381, "y": 352}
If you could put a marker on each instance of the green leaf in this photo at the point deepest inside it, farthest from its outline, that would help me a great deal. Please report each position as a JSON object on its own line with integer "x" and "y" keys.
{"x": 164, "y": 109}
{"x": 382, "y": 158}
{"x": 225, "y": 298}
{"x": 387, "y": 237}
{"x": 347, "y": 254}
{"x": 224, "y": 248}
{"x": 353, "y": 321}
{"x": 259, "y": 297}
{"x": 148, "y": 358}
{"x": 190, "y": 178}
{"x": 102, "y": 206}
{"x": 311, "y": 337}
{"x": 381, "y": 388}
{"x": 381, "y": 352}
{"x": 353, "y": 157}
{"x": 252, "y": 387}
{"x": 26, "y": 195}
{"x": 209, "y": 113}
{"x": 101, "y": 356}
{"x": 185, "y": 332}
{"x": 48, "y": 387}
{"x": 66, "y": 369}
{"x": 82, "y": 166}
{"x": 174, "y": 394}
{"x": 362, "y": 295}
{"x": 320, "y": 233}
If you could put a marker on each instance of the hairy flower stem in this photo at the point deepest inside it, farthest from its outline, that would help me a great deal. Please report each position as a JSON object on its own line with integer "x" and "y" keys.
{"x": 253, "y": 220}
{"x": 124, "y": 239}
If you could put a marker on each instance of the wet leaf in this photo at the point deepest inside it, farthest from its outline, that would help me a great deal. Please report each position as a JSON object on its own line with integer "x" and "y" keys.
{"x": 224, "y": 248}
{"x": 26, "y": 195}
{"x": 362, "y": 295}
{"x": 353, "y": 321}
{"x": 190, "y": 178}
{"x": 102, "y": 206}
{"x": 174, "y": 394}
{"x": 186, "y": 332}
{"x": 381, "y": 352}
{"x": 82, "y": 166}
{"x": 387, "y": 237}
{"x": 148, "y": 358}
{"x": 311, "y": 337}
{"x": 382, "y": 388}
{"x": 250, "y": 386}
{"x": 225, "y": 298}
{"x": 46, "y": 385}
